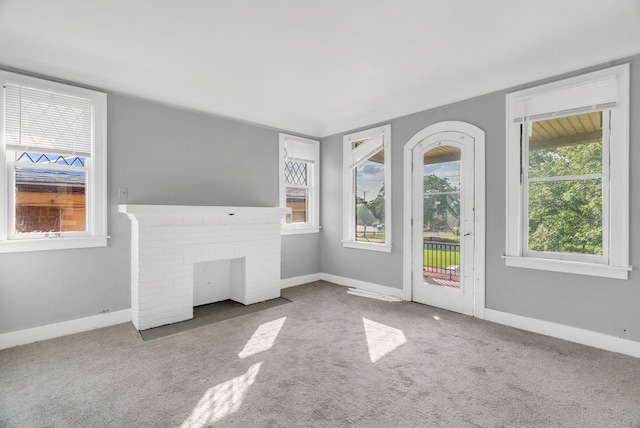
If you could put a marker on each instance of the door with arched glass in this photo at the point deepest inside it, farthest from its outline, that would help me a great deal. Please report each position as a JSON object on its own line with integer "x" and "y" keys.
{"x": 443, "y": 220}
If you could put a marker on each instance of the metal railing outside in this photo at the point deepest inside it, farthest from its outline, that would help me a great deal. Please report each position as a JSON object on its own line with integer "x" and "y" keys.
{"x": 443, "y": 258}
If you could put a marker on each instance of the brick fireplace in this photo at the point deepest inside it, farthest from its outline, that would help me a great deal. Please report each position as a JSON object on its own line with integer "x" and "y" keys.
{"x": 169, "y": 241}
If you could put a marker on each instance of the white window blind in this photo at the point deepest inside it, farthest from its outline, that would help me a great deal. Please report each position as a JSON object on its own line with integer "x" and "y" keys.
{"x": 580, "y": 98}
{"x": 300, "y": 151}
{"x": 366, "y": 149}
{"x": 41, "y": 120}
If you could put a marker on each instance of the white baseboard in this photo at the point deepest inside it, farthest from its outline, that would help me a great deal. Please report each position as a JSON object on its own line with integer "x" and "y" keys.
{"x": 363, "y": 285}
{"x": 299, "y": 280}
{"x": 571, "y": 334}
{"x": 50, "y": 331}
{"x": 560, "y": 331}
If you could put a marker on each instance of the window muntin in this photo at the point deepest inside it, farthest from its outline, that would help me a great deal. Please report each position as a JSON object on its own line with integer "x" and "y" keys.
{"x": 49, "y": 194}
{"x": 53, "y": 165}
{"x": 369, "y": 199}
{"x": 299, "y": 183}
{"x": 367, "y": 217}
{"x": 296, "y": 178}
{"x": 601, "y": 175}
{"x": 565, "y": 183}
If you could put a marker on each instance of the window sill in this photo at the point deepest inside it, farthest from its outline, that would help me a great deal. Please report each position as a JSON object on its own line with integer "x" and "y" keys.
{"x": 299, "y": 230}
{"x": 383, "y": 248}
{"x": 579, "y": 268}
{"x": 27, "y": 245}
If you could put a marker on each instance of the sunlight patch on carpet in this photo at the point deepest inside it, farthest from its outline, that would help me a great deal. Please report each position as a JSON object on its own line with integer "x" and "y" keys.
{"x": 381, "y": 339}
{"x": 263, "y": 338}
{"x": 221, "y": 400}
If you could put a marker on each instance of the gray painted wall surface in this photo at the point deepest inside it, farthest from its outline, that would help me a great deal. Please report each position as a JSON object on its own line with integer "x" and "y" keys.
{"x": 300, "y": 255}
{"x": 169, "y": 156}
{"x": 164, "y": 156}
{"x": 598, "y": 304}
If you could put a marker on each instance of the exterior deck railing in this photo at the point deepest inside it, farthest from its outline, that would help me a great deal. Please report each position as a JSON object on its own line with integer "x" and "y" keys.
{"x": 443, "y": 257}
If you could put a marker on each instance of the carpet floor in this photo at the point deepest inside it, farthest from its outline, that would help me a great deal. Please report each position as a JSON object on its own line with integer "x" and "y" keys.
{"x": 327, "y": 359}
{"x": 209, "y": 314}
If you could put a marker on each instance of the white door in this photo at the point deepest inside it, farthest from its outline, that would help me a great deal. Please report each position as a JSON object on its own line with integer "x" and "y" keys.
{"x": 443, "y": 221}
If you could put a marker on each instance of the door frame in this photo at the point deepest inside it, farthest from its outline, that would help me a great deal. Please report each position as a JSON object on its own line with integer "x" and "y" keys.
{"x": 479, "y": 240}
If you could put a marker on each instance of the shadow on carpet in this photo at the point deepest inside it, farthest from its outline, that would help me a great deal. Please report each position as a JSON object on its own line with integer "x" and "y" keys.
{"x": 209, "y": 314}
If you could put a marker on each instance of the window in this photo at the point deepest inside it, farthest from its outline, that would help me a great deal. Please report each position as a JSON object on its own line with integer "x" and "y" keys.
{"x": 367, "y": 189}
{"x": 52, "y": 166}
{"x": 568, "y": 175}
{"x": 300, "y": 184}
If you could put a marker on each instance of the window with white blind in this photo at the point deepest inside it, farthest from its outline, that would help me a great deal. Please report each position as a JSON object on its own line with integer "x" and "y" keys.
{"x": 568, "y": 175}
{"x": 52, "y": 165}
{"x": 300, "y": 184}
{"x": 367, "y": 189}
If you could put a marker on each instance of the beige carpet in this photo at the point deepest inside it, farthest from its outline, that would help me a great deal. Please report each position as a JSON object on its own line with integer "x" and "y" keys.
{"x": 328, "y": 359}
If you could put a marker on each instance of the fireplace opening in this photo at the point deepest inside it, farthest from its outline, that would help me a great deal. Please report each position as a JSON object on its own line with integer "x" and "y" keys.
{"x": 218, "y": 280}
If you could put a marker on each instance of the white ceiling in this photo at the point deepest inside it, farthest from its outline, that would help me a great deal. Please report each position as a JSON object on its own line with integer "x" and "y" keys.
{"x": 312, "y": 67}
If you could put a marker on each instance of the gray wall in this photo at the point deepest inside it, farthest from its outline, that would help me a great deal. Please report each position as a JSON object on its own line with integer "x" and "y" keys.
{"x": 164, "y": 156}
{"x": 170, "y": 156}
{"x": 597, "y": 304}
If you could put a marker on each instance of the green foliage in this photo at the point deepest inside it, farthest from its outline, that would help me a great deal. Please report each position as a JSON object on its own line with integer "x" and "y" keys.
{"x": 441, "y": 258}
{"x": 364, "y": 215}
{"x": 566, "y": 215}
{"x": 569, "y": 160}
{"x": 456, "y": 231}
{"x": 438, "y": 204}
{"x": 376, "y": 206}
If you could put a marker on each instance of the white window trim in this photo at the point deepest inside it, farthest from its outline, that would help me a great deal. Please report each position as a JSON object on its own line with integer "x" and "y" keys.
{"x": 348, "y": 234}
{"x": 616, "y": 265}
{"x": 313, "y": 213}
{"x": 96, "y": 234}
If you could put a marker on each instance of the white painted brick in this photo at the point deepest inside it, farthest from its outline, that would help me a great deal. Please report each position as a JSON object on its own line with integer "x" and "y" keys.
{"x": 148, "y": 230}
{"x": 150, "y": 292}
{"x": 177, "y": 313}
{"x": 164, "y": 249}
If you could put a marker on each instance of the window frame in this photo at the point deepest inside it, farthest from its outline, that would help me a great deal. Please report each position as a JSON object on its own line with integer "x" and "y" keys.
{"x": 95, "y": 234}
{"x": 614, "y": 263}
{"x": 348, "y": 190}
{"x": 312, "y": 225}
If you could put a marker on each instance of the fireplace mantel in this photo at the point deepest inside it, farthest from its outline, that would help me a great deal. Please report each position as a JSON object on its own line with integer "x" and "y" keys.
{"x": 168, "y": 240}
{"x": 201, "y": 211}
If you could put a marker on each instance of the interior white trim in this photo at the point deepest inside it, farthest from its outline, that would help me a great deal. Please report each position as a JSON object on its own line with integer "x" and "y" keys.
{"x": 569, "y": 266}
{"x": 22, "y": 245}
{"x": 565, "y": 332}
{"x": 480, "y": 207}
{"x": 572, "y": 334}
{"x": 51, "y": 331}
{"x": 349, "y": 155}
{"x": 299, "y": 280}
{"x": 95, "y": 234}
{"x": 299, "y": 230}
{"x": 372, "y": 246}
{"x": 616, "y": 214}
{"x": 363, "y": 285}
{"x": 292, "y": 147}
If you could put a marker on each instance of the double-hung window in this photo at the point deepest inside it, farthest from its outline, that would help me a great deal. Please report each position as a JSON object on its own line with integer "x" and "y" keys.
{"x": 52, "y": 165}
{"x": 299, "y": 184}
{"x": 367, "y": 189}
{"x": 568, "y": 175}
